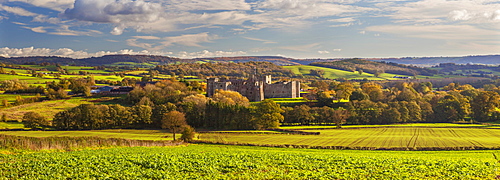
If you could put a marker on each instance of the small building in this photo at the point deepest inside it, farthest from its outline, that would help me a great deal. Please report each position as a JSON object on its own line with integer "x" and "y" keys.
{"x": 111, "y": 89}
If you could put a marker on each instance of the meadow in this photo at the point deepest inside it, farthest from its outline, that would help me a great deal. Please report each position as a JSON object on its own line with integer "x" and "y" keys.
{"x": 331, "y": 73}
{"x": 45, "y": 108}
{"x": 243, "y": 162}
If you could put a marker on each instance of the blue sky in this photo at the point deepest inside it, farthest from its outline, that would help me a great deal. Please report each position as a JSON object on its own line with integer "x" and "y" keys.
{"x": 213, "y": 28}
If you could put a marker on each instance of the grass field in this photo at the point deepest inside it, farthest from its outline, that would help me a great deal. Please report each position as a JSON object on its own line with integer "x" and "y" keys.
{"x": 239, "y": 162}
{"x": 112, "y": 133}
{"x": 331, "y": 73}
{"x": 45, "y": 108}
{"x": 336, "y": 73}
{"x": 401, "y": 138}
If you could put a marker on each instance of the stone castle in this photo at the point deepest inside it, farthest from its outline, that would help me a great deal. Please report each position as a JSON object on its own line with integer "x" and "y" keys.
{"x": 255, "y": 88}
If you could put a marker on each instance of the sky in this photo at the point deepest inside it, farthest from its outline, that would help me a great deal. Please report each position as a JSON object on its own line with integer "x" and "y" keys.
{"x": 216, "y": 28}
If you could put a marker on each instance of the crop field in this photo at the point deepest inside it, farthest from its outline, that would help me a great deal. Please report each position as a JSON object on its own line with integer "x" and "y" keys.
{"x": 398, "y": 138}
{"x": 239, "y": 162}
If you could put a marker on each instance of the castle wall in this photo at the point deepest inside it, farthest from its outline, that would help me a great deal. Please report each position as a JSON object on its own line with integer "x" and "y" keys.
{"x": 282, "y": 90}
{"x": 255, "y": 88}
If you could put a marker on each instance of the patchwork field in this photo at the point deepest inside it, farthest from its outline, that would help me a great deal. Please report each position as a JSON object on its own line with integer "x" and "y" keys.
{"x": 400, "y": 138}
{"x": 238, "y": 162}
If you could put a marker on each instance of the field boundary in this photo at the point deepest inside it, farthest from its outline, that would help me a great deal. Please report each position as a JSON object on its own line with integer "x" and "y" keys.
{"x": 350, "y": 148}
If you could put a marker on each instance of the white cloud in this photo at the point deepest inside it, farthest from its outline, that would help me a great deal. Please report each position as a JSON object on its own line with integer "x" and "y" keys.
{"x": 302, "y": 48}
{"x": 46, "y": 19}
{"x": 17, "y": 11}
{"x": 67, "y": 52}
{"x": 337, "y": 50}
{"x": 146, "y": 37}
{"x": 206, "y": 53}
{"x": 444, "y": 32}
{"x": 457, "y": 15}
{"x": 58, "y": 5}
{"x": 441, "y": 11}
{"x": 193, "y": 40}
{"x": 134, "y": 43}
{"x": 64, "y": 30}
{"x": 343, "y": 20}
{"x": 324, "y": 52}
{"x": 123, "y": 13}
{"x": 188, "y": 5}
{"x": 261, "y": 40}
{"x": 39, "y": 29}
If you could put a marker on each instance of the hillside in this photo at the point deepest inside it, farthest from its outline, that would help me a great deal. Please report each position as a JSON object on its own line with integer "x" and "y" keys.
{"x": 375, "y": 67}
{"x": 428, "y": 61}
{"x": 94, "y": 61}
{"x": 225, "y": 69}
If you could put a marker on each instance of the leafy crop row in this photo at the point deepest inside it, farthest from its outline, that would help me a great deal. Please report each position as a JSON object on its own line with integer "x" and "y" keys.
{"x": 236, "y": 162}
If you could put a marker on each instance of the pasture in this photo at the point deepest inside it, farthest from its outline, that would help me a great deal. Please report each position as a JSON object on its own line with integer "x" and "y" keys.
{"x": 331, "y": 73}
{"x": 45, "y": 108}
{"x": 240, "y": 162}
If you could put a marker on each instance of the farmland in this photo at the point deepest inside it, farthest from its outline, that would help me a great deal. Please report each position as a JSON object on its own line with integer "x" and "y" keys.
{"x": 239, "y": 162}
{"x": 398, "y": 138}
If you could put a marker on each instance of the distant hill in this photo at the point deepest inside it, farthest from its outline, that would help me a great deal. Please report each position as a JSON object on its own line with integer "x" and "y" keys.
{"x": 278, "y": 60}
{"x": 376, "y": 67}
{"x": 423, "y": 61}
{"x": 94, "y": 61}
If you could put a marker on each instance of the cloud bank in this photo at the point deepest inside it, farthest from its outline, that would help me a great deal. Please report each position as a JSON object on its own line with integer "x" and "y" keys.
{"x": 67, "y": 52}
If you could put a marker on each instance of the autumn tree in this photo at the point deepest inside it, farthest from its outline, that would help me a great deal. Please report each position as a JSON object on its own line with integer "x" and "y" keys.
{"x": 484, "y": 104}
{"x": 173, "y": 121}
{"x": 373, "y": 90}
{"x": 4, "y": 118}
{"x": 230, "y": 97}
{"x": 301, "y": 114}
{"x": 34, "y": 120}
{"x": 268, "y": 114}
{"x": 187, "y": 133}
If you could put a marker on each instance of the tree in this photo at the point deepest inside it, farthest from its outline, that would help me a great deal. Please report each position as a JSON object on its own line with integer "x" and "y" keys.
{"x": 267, "y": 114}
{"x": 484, "y": 104}
{"x": 143, "y": 114}
{"x": 301, "y": 114}
{"x": 231, "y": 98}
{"x": 373, "y": 90}
{"x": 325, "y": 98}
{"x": 173, "y": 120}
{"x": 448, "y": 109}
{"x": 358, "y": 95}
{"x": 34, "y": 120}
{"x": 5, "y": 103}
{"x": 187, "y": 133}
{"x": 339, "y": 116}
{"x": 4, "y": 118}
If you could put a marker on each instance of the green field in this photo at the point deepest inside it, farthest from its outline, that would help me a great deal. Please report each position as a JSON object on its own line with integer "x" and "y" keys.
{"x": 112, "y": 133}
{"x": 238, "y": 162}
{"x": 336, "y": 73}
{"x": 45, "y": 108}
{"x": 398, "y": 138}
{"x": 331, "y": 73}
